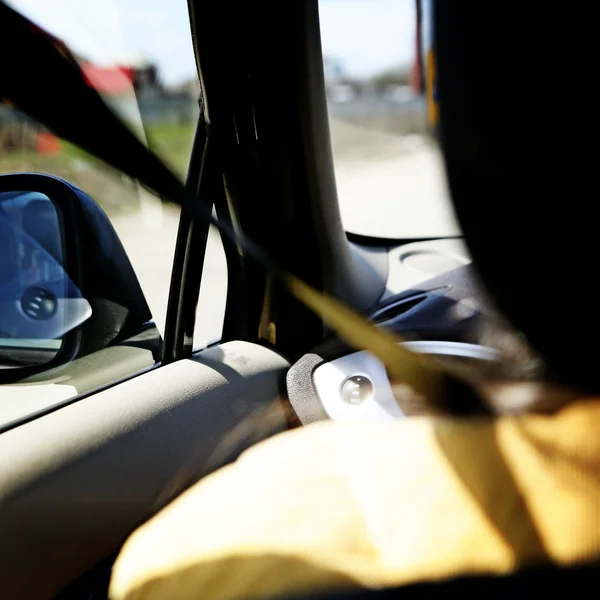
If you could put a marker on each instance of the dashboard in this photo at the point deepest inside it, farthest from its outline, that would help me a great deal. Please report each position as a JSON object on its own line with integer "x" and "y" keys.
{"x": 432, "y": 298}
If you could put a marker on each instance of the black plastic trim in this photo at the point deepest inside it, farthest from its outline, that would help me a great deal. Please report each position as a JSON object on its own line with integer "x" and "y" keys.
{"x": 256, "y": 125}
{"x": 367, "y": 240}
{"x": 190, "y": 251}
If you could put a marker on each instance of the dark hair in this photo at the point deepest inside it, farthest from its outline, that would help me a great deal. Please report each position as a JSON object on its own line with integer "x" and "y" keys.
{"x": 519, "y": 382}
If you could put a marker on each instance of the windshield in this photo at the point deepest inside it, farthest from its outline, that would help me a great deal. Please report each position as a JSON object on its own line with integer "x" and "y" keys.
{"x": 388, "y": 167}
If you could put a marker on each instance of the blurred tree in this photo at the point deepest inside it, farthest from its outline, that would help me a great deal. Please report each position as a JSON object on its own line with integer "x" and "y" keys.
{"x": 390, "y": 78}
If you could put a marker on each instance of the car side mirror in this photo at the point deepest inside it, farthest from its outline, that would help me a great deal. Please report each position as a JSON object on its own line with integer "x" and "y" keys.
{"x": 39, "y": 303}
{"x": 67, "y": 287}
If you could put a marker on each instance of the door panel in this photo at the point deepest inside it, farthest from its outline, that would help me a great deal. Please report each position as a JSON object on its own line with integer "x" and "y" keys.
{"x": 74, "y": 483}
{"x": 54, "y": 387}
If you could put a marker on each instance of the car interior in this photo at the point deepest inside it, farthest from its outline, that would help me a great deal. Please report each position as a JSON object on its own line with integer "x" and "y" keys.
{"x": 128, "y": 418}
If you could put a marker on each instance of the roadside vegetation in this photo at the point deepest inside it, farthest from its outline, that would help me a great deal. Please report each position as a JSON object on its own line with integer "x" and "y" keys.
{"x": 112, "y": 190}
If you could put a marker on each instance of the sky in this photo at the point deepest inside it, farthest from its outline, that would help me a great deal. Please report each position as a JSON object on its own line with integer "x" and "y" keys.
{"x": 368, "y": 36}
{"x": 364, "y": 36}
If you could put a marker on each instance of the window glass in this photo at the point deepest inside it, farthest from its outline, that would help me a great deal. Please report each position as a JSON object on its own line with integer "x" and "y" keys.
{"x": 213, "y": 293}
{"x": 138, "y": 54}
{"x": 388, "y": 168}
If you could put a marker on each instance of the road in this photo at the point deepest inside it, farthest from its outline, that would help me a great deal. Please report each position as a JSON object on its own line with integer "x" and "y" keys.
{"x": 150, "y": 245}
{"x": 393, "y": 187}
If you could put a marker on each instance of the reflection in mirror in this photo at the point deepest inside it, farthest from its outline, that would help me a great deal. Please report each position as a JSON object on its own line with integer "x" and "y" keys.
{"x": 39, "y": 303}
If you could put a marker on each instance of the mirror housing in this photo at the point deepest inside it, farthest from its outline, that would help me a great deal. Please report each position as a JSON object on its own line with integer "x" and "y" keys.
{"x": 69, "y": 289}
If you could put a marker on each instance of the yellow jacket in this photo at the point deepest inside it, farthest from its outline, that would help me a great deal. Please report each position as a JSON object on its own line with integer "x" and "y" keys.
{"x": 346, "y": 505}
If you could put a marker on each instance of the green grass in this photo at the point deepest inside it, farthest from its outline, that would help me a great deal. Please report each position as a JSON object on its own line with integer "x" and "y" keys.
{"x": 114, "y": 192}
{"x": 173, "y": 143}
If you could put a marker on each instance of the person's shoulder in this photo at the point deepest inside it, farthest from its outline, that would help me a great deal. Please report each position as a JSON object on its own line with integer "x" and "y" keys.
{"x": 326, "y": 438}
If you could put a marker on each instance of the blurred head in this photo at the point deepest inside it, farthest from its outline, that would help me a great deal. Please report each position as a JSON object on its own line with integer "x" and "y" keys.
{"x": 520, "y": 381}
{"x": 520, "y": 165}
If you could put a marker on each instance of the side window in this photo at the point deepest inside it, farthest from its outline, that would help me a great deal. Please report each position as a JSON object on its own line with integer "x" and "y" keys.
{"x": 145, "y": 70}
